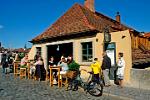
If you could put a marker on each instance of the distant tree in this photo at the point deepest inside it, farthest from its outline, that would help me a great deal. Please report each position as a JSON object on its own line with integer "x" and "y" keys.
{"x": 21, "y": 55}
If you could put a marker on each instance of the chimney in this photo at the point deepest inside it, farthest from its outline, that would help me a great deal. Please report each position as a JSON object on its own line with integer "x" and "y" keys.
{"x": 118, "y": 17}
{"x": 90, "y": 5}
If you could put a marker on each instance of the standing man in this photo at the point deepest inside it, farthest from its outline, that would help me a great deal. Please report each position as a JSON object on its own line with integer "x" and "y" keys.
{"x": 120, "y": 70}
{"x": 106, "y": 65}
{"x": 0, "y": 56}
{"x": 4, "y": 62}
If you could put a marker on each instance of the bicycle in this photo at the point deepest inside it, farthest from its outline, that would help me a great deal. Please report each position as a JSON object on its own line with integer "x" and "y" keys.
{"x": 92, "y": 86}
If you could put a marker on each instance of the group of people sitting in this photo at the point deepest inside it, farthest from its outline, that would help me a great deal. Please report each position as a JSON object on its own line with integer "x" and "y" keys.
{"x": 63, "y": 64}
{"x": 38, "y": 71}
{"x": 36, "y": 67}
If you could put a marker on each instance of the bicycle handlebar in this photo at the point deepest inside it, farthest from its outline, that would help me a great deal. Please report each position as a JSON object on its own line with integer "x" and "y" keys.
{"x": 87, "y": 71}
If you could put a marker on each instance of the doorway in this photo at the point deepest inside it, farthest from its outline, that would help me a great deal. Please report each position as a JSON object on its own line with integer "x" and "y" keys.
{"x": 58, "y": 50}
{"x": 110, "y": 49}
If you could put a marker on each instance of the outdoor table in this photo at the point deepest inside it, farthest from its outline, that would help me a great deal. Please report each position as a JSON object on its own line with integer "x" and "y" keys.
{"x": 51, "y": 74}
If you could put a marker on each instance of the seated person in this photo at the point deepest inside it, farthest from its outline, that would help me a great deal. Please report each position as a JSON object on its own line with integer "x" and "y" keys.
{"x": 73, "y": 67}
{"x": 32, "y": 69}
{"x": 64, "y": 66}
{"x": 52, "y": 63}
{"x": 24, "y": 61}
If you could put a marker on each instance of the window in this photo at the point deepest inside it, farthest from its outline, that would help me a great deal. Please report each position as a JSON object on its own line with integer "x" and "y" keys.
{"x": 38, "y": 50}
{"x": 87, "y": 52}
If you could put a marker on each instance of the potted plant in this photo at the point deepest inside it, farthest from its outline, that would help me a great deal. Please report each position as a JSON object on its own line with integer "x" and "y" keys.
{"x": 73, "y": 69}
{"x": 74, "y": 66}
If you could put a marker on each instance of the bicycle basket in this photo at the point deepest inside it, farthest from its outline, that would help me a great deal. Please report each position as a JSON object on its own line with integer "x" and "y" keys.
{"x": 85, "y": 76}
{"x": 71, "y": 74}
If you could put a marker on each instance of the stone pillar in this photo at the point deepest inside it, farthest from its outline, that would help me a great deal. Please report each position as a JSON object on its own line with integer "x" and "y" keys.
{"x": 76, "y": 51}
{"x": 44, "y": 55}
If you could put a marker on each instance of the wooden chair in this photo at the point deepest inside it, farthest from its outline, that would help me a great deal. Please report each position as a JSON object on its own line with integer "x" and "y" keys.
{"x": 28, "y": 70}
{"x": 16, "y": 69}
{"x": 51, "y": 75}
{"x": 29, "y": 64}
{"x": 23, "y": 72}
{"x": 65, "y": 82}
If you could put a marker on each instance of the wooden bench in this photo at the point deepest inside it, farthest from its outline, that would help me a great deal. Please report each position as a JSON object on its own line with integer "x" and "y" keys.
{"x": 16, "y": 69}
{"x": 23, "y": 73}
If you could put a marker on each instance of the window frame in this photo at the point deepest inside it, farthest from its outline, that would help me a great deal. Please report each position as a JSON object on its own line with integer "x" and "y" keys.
{"x": 87, "y": 55}
{"x": 39, "y": 50}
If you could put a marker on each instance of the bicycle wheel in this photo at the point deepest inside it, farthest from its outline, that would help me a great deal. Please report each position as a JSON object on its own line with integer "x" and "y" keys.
{"x": 95, "y": 89}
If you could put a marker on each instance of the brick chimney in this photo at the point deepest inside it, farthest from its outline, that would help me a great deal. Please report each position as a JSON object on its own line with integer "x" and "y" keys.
{"x": 118, "y": 17}
{"x": 90, "y": 5}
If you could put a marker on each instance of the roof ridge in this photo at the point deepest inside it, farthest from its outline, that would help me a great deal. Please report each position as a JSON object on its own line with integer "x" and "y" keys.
{"x": 113, "y": 20}
{"x": 96, "y": 13}
{"x": 55, "y": 26}
{"x": 86, "y": 19}
{"x": 79, "y": 6}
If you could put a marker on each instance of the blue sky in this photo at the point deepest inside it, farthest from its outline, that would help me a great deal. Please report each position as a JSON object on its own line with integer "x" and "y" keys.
{"x": 22, "y": 20}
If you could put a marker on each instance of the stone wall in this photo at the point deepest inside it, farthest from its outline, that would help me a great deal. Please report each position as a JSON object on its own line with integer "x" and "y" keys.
{"x": 140, "y": 78}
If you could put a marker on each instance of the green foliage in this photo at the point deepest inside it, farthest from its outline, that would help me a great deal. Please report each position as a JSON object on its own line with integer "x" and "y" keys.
{"x": 74, "y": 66}
{"x": 21, "y": 55}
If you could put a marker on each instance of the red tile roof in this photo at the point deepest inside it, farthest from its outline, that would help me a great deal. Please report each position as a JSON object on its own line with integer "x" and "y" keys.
{"x": 147, "y": 34}
{"x": 139, "y": 57}
{"x": 22, "y": 50}
{"x": 79, "y": 19}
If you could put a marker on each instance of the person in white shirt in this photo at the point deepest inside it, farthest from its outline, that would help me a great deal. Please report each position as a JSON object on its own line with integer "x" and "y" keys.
{"x": 0, "y": 57}
{"x": 32, "y": 69}
{"x": 24, "y": 61}
{"x": 63, "y": 65}
{"x": 120, "y": 70}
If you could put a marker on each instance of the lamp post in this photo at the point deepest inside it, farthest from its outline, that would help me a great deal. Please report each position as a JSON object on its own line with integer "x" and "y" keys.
{"x": 57, "y": 48}
{"x": 107, "y": 37}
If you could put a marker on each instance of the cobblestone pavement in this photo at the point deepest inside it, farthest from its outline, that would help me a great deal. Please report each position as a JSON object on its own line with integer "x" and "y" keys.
{"x": 128, "y": 92}
{"x": 25, "y": 89}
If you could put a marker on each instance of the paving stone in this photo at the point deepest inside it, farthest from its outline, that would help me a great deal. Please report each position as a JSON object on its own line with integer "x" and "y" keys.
{"x": 24, "y": 89}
